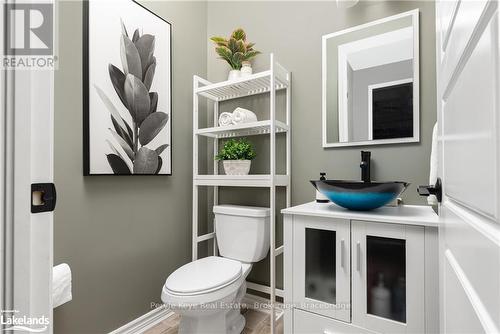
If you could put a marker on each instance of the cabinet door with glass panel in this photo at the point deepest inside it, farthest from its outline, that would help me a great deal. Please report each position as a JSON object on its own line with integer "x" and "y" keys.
{"x": 321, "y": 266}
{"x": 388, "y": 271}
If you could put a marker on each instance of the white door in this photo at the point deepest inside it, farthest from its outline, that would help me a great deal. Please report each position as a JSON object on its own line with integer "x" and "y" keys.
{"x": 469, "y": 127}
{"x": 388, "y": 274}
{"x": 26, "y": 158}
{"x": 321, "y": 266}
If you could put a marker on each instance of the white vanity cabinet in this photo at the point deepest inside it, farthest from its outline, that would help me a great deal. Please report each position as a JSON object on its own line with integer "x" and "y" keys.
{"x": 360, "y": 272}
{"x": 321, "y": 268}
{"x": 388, "y": 290}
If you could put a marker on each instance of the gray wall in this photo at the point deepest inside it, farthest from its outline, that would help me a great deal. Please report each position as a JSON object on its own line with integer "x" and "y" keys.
{"x": 293, "y": 30}
{"x": 122, "y": 236}
{"x": 361, "y": 79}
{"x": 120, "y": 254}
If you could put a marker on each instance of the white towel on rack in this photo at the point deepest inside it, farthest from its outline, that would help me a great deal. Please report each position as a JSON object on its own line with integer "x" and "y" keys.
{"x": 433, "y": 174}
{"x": 225, "y": 119}
{"x": 241, "y": 115}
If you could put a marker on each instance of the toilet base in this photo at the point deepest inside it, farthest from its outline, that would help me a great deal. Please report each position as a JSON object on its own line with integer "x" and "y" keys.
{"x": 213, "y": 324}
{"x": 225, "y": 320}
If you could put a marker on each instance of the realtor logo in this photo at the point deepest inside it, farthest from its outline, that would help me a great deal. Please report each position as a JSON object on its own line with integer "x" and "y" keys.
{"x": 30, "y": 29}
{"x": 28, "y": 39}
{"x": 10, "y": 321}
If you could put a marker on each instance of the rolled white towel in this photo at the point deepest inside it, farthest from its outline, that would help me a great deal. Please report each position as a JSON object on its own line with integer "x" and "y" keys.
{"x": 61, "y": 284}
{"x": 225, "y": 119}
{"x": 241, "y": 115}
{"x": 433, "y": 174}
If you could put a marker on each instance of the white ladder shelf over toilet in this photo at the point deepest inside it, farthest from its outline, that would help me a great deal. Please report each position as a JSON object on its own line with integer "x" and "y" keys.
{"x": 269, "y": 81}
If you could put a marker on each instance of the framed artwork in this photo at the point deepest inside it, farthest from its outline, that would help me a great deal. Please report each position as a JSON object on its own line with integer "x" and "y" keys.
{"x": 127, "y": 90}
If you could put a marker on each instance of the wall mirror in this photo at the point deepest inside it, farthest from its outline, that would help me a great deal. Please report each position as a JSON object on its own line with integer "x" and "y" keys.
{"x": 370, "y": 83}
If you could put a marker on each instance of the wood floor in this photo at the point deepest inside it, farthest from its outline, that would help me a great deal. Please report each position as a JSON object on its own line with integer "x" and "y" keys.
{"x": 257, "y": 322}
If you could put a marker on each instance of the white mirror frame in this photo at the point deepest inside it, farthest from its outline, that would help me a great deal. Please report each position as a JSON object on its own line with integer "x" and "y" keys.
{"x": 414, "y": 14}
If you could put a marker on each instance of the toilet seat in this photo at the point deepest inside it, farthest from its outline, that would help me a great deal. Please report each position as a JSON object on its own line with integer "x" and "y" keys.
{"x": 203, "y": 276}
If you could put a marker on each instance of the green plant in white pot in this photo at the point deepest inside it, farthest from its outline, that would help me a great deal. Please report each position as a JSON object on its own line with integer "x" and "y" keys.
{"x": 236, "y": 156}
{"x": 235, "y": 51}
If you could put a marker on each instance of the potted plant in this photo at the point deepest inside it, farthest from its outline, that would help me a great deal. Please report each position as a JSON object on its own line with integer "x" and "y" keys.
{"x": 236, "y": 156}
{"x": 235, "y": 51}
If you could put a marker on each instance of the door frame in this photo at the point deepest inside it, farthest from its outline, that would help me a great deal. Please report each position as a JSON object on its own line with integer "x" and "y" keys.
{"x": 26, "y": 157}
{"x": 28, "y": 238}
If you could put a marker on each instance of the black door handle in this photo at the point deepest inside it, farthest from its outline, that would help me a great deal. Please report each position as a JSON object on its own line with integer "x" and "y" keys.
{"x": 45, "y": 194}
{"x": 436, "y": 190}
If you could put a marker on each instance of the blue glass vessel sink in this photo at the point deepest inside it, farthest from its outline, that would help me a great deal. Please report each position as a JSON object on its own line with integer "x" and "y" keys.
{"x": 359, "y": 195}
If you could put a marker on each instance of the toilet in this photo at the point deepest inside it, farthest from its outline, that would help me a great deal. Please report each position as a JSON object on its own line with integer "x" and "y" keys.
{"x": 206, "y": 293}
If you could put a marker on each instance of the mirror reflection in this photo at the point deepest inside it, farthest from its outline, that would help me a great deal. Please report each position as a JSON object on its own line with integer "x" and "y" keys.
{"x": 370, "y": 83}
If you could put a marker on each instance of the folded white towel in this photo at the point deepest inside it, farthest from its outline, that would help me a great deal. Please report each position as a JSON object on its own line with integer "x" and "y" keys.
{"x": 225, "y": 119}
{"x": 433, "y": 174}
{"x": 241, "y": 115}
{"x": 61, "y": 285}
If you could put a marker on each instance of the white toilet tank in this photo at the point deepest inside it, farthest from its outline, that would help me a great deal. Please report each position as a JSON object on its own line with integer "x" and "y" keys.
{"x": 242, "y": 232}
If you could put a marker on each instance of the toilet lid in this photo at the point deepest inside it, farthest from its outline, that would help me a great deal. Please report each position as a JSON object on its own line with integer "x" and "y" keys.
{"x": 204, "y": 275}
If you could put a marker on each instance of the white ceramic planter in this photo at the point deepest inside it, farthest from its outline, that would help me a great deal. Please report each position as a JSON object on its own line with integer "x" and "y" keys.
{"x": 234, "y": 74}
{"x": 246, "y": 69}
{"x": 236, "y": 167}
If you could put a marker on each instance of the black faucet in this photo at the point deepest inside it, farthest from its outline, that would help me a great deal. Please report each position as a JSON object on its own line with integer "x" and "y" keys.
{"x": 365, "y": 166}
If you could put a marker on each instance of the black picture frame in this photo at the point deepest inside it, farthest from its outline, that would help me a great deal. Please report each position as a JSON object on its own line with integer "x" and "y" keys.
{"x": 86, "y": 93}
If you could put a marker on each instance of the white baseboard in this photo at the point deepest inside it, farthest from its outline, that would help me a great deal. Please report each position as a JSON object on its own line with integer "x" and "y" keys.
{"x": 145, "y": 322}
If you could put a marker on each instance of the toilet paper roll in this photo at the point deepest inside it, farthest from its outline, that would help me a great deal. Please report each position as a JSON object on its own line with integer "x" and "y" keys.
{"x": 61, "y": 284}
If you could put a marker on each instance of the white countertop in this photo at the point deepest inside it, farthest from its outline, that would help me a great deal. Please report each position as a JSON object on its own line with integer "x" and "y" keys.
{"x": 403, "y": 214}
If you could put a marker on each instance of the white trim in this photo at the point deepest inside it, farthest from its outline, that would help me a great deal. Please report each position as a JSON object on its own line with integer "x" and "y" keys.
{"x": 412, "y": 12}
{"x": 374, "y": 142}
{"x": 6, "y": 189}
{"x": 323, "y": 91}
{"x": 370, "y": 100}
{"x": 343, "y": 95}
{"x": 342, "y": 101}
{"x": 145, "y": 322}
